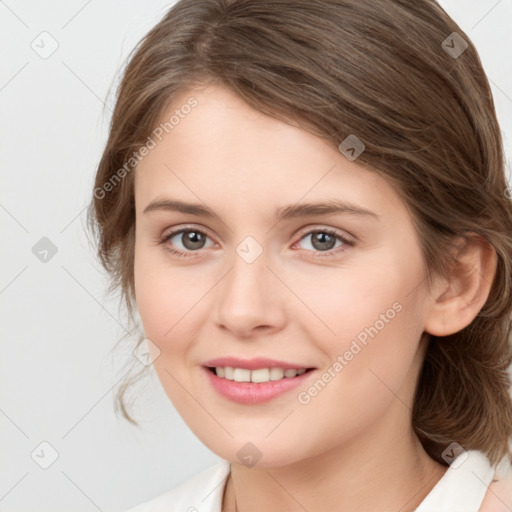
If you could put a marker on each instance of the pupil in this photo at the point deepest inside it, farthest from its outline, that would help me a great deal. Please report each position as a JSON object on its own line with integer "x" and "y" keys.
{"x": 193, "y": 240}
{"x": 323, "y": 241}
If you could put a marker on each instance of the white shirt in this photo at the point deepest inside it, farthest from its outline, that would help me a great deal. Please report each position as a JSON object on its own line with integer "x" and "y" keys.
{"x": 461, "y": 489}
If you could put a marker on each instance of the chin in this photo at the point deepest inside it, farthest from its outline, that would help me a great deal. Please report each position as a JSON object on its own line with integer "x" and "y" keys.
{"x": 255, "y": 454}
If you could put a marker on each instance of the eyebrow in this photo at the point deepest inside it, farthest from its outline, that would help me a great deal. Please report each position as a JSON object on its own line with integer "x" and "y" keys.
{"x": 285, "y": 212}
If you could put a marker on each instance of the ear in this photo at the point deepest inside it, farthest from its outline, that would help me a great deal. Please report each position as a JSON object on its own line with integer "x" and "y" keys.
{"x": 457, "y": 299}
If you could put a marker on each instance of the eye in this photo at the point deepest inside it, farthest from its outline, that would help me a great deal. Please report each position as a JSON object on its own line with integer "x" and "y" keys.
{"x": 326, "y": 240}
{"x": 187, "y": 240}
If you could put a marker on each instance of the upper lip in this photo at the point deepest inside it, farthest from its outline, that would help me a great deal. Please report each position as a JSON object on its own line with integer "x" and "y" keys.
{"x": 253, "y": 364}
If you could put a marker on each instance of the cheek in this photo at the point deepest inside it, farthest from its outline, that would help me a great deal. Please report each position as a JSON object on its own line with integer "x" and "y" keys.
{"x": 368, "y": 361}
{"x": 165, "y": 300}
{"x": 161, "y": 294}
{"x": 343, "y": 303}
{"x": 173, "y": 303}
{"x": 367, "y": 323}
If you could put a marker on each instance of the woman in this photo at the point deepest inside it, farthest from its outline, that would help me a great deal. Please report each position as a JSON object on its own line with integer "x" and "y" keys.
{"x": 305, "y": 202}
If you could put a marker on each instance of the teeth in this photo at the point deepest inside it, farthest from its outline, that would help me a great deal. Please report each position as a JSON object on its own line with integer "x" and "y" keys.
{"x": 259, "y": 375}
{"x": 276, "y": 373}
{"x": 242, "y": 375}
{"x": 262, "y": 375}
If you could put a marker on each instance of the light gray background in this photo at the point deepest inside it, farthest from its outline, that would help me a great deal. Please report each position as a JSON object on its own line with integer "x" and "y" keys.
{"x": 58, "y": 374}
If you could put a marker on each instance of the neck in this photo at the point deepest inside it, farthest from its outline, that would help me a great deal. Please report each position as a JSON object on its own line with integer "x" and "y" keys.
{"x": 390, "y": 474}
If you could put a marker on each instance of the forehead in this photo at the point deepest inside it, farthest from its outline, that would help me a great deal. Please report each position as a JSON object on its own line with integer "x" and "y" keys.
{"x": 222, "y": 151}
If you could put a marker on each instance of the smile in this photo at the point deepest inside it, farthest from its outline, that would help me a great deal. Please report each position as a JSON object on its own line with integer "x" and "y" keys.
{"x": 258, "y": 375}
{"x": 256, "y": 386}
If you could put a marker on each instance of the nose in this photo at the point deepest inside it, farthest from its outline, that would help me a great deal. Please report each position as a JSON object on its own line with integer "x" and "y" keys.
{"x": 250, "y": 299}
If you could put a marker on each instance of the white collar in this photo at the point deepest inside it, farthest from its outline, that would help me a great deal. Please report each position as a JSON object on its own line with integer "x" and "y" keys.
{"x": 461, "y": 489}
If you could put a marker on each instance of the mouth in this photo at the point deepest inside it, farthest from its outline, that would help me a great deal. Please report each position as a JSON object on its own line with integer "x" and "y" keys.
{"x": 254, "y": 381}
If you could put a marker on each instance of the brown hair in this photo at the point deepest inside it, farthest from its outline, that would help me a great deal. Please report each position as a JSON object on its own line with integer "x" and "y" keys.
{"x": 386, "y": 72}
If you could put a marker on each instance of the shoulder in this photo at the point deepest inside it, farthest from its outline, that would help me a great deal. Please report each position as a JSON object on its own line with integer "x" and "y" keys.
{"x": 499, "y": 494}
{"x": 203, "y": 492}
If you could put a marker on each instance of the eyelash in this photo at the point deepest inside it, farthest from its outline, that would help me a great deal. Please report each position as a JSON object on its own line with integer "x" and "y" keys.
{"x": 322, "y": 254}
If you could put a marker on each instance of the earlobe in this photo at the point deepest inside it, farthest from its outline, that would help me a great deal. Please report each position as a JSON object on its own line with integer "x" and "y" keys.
{"x": 457, "y": 299}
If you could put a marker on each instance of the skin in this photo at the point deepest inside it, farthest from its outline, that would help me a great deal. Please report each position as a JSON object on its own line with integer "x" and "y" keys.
{"x": 352, "y": 447}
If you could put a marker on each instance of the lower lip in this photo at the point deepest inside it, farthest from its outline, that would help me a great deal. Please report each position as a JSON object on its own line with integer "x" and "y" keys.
{"x": 254, "y": 393}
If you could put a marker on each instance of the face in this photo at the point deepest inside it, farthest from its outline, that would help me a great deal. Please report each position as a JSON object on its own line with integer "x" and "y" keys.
{"x": 255, "y": 282}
